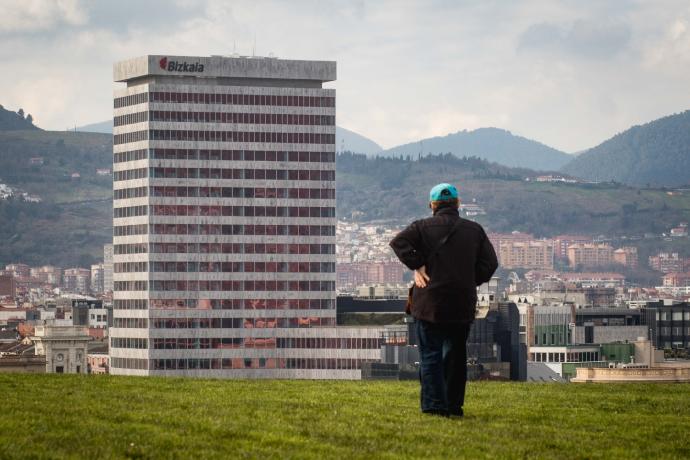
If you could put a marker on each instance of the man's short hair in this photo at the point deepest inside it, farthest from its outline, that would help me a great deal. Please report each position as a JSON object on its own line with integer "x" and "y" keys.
{"x": 454, "y": 203}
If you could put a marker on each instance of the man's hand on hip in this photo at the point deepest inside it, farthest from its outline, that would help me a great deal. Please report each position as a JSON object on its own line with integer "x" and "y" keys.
{"x": 420, "y": 277}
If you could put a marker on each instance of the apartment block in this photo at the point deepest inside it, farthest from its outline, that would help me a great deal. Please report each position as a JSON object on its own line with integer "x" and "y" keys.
{"x": 590, "y": 254}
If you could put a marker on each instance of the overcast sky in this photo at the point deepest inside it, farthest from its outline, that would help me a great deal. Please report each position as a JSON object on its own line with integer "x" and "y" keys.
{"x": 569, "y": 74}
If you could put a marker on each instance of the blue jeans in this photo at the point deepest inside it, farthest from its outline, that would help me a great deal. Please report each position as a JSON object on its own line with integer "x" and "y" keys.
{"x": 443, "y": 366}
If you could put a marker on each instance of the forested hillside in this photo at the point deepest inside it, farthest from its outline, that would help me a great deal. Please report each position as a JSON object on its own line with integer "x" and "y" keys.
{"x": 492, "y": 144}
{"x": 397, "y": 189}
{"x": 73, "y": 219}
{"x": 656, "y": 153}
{"x": 15, "y": 120}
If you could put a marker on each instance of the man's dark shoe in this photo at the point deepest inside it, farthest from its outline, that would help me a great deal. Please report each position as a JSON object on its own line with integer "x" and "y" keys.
{"x": 438, "y": 412}
{"x": 457, "y": 413}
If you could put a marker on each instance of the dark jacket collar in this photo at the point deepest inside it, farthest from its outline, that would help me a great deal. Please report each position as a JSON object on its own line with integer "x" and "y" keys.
{"x": 447, "y": 211}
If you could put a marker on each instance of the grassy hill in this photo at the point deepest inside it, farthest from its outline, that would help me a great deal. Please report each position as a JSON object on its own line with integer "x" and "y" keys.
{"x": 63, "y": 416}
{"x": 656, "y": 153}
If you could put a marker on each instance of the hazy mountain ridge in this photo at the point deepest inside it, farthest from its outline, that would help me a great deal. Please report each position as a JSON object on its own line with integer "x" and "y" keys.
{"x": 656, "y": 153}
{"x": 492, "y": 144}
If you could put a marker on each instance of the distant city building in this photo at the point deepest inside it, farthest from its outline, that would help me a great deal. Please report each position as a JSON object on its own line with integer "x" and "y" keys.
{"x": 594, "y": 279}
{"x": 8, "y": 285}
{"x": 48, "y": 274}
{"x": 64, "y": 348}
{"x": 561, "y": 243}
{"x": 675, "y": 279}
{"x": 666, "y": 262}
{"x": 76, "y": 280}
{"x": 91, "y": 313}
{"x": 669, "y": 323}
{"x": 97, "y": 363}
{"x": 355, "y": 274}
{"x": 108, "y": 268}
{"x": 18, "y": 270}
{"x": 680, "y": 231}
{"x": 590, "y": 254}
{"x": 626, "y": 256}
{"x": 535, "y": 254}
{"x": 97, "y": 279}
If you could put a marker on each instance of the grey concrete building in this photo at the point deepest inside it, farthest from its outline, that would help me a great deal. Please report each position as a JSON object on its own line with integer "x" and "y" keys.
{"x": 108, "y": 268}
{"x": 224, "y": 221}
{"x": 64, "y": 348}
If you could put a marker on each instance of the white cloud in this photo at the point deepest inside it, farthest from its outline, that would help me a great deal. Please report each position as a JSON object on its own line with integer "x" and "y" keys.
{"x": 38, "y": 15}
{"x": 406, "y": 69}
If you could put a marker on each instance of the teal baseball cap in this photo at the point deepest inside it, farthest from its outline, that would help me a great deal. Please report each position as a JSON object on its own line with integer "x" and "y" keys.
{"x": 443, "y": 192}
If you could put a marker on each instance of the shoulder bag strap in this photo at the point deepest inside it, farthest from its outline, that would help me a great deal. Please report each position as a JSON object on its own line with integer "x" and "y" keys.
{"x": 443, "y": 240}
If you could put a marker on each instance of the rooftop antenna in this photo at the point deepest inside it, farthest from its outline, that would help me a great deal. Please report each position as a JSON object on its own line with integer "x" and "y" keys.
{"x": 254, "y": 46}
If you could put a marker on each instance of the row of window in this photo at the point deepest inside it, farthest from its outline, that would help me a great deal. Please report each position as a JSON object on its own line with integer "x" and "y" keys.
{"x": 241, "y": 323}
{"x": 131, "y": 155}
{"x": 134, "y": 99}
{"x": 256, "y": 363}
{"x": 225, "y": 117}
{"x": 229, "y": 248}
{"x": 229, "y": 211}
{"x": 133, "y": 248}
{"x": 130, "y": 285}
{"x": 242, "y": 99}
{"x": 224, "y": 248}
{"x": 225, "y": 155}
{"x": 227, "y": 285}
{"x": 130, "y": 304}
{"x": 138, "y": 323}
{"x": 238, "y": 174}
{"x": 223, "y": 136}
{"x": 194, "y": 343}
{"x": 673, "y": 315}
{"x": 216, "y": 173}
{"x": 129, "y": 363}
{"x": 676, "y": 331}
{"x": 134, "y": 192}
{"x": 130, "y": 211}
{"x": 246, "y": 230}
{"x": 226, "y": 267}
{"x": 239, "y": 304}
{"x": 206, "y": 229}
{"x": 130, "y": 174}
{"x": 129, "y": 342}
{"x": 226, "y": 192}
{"x": 244, "y": 192}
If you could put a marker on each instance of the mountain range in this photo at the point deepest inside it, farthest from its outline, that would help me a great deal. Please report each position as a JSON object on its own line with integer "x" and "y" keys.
{"x": 74, "y": 219}
{"x": 656, "y": 153}
{"x": 492, "y": 144}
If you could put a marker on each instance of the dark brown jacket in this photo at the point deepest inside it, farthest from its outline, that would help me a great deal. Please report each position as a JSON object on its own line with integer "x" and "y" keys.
{"x": 464, "y": 262}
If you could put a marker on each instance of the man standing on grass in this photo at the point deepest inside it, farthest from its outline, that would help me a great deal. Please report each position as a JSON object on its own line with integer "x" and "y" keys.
{"x": 450, "y": 257}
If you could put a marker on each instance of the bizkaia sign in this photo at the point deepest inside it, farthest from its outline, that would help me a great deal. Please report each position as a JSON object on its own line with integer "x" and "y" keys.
{"x": 180, "y": 66}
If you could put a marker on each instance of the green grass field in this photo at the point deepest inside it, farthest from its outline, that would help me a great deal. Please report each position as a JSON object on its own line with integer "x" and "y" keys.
{"x": 51, "y": 416}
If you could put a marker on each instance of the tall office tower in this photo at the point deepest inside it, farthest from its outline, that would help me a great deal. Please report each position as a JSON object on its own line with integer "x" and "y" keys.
{"x": 224, "y": 221}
